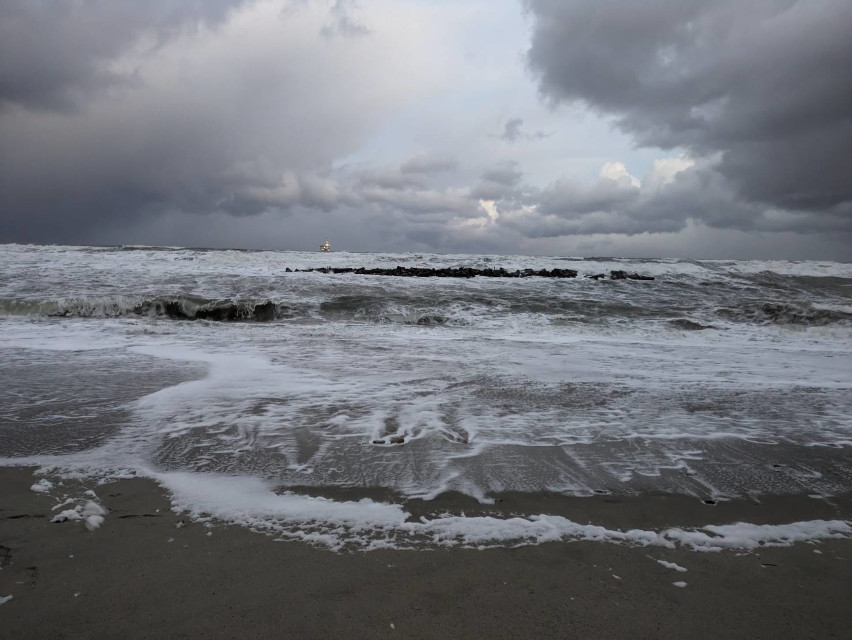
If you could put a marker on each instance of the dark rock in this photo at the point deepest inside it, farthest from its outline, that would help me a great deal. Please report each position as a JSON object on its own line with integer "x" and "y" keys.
{"x": 446, "y": 272}
{"x": 397, "y": 440}
{"x": 623, "y": 275}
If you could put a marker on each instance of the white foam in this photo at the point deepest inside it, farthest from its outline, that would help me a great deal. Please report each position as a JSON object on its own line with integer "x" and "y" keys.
{"x": 63, "y": 504}
{"x": 254, "y": 399}
{"x": 91, "y": 514}
{"x": 5, "y": 599}
{"x": 268, "y": 393}
{"x": 42, "y": 486}
{"x": 672, "y": 565}
{"x": 680, "y": 584}
{"x": 68, "y": 514}
{"x": 370, "y": 525}
{"x": 251, "y": 501}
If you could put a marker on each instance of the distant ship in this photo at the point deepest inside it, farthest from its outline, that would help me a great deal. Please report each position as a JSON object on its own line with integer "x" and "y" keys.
{"x": 325, "y": 246}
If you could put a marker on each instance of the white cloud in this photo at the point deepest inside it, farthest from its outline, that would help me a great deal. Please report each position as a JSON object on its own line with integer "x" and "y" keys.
{"x": 617, "y": 172}
{"x": 664, "y": 171}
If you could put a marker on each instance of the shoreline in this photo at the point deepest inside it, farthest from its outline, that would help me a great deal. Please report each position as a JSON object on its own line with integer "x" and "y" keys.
{"x": 144, "y": 574}
{"x": 655, "y": 510}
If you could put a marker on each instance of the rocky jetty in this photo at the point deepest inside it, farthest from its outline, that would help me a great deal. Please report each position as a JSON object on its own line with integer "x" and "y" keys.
{"x": 450, "y": 272}
{"x": 469, "y": 272}
{"x": 623, "y": 275}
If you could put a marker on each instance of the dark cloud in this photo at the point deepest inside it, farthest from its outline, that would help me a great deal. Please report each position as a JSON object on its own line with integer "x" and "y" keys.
{"x": 408, "y": 195}
{"x": 667, "y": 200}
{"x": 409, "y": 191}
{"x": 413, "y": 174}
{"x": 441, "y": 205}
{"x": 227, "y": 118}
{"x": 53, "y": 55}
{"x": 500, "y": 182}
{"x": 178, "y": 110}
{"x": 567, "y": 198}
{"x": 763, "y": 83}
{"x": 248, "y": 197}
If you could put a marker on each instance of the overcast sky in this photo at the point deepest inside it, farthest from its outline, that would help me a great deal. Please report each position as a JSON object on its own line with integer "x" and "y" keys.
{"x": 562, "y": 127}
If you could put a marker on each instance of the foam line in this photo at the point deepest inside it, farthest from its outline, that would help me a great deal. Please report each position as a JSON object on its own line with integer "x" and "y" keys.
{"x": 251, "y": 502}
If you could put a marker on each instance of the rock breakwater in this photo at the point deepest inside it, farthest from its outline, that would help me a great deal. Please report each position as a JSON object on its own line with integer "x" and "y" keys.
{"x": 469, "y": 272}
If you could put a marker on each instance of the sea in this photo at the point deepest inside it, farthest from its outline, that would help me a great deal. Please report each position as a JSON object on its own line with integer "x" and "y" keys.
{"x": 283, "y": 400}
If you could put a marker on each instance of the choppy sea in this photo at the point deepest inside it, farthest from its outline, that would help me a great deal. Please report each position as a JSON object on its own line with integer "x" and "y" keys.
{"x": 718, "y": 380}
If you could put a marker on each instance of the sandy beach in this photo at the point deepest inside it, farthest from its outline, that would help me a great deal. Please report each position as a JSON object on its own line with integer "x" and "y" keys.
{"x": 150, "y": 573}
{"x": 411, "y": 319}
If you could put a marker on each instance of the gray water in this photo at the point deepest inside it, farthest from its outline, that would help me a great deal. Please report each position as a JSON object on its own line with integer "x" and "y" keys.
{"x": 717, "y": 379}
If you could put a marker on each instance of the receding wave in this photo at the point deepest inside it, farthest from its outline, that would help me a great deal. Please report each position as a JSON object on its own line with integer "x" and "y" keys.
{"x": 800, "y": 314}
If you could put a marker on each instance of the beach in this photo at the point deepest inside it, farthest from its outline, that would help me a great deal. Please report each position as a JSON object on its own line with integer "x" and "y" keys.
{"x": 205, "y": 443}
{"x": 147, "y": 572}
{"x": 455, "y": 320}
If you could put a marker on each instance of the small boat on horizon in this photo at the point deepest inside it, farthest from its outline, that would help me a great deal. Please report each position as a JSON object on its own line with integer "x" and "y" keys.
{"x": 325, "y": 246}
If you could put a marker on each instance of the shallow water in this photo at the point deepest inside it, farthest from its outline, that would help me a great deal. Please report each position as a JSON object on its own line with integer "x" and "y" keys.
{"x": 717, "y": 379}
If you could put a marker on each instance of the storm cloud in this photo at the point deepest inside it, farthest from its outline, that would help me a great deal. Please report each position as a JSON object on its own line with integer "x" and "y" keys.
{"x": 196, "y": 122}
{"x": 763, "y": 84}
{"x": 54, "y": 55}
{"x": 418, "y": 126}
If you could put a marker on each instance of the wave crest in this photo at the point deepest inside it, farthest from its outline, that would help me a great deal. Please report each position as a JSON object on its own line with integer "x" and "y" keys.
{"x": 177, "y": 307}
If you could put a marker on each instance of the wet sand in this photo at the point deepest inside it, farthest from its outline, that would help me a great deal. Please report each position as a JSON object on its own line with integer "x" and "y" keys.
{"x": 142, "y": 576}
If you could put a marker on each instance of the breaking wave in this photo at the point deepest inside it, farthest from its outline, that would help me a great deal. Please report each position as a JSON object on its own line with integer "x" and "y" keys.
{"x": 357, "y": 308}
{"x": 177, "y": 307}
{"x": 417, "y": 310}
